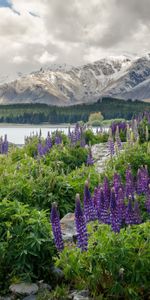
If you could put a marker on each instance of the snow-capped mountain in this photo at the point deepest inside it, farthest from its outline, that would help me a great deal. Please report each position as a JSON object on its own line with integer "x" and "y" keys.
{"x": 121, "y": 77}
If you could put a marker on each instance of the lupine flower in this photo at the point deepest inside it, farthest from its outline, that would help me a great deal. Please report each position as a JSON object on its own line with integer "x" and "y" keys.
{"x": 129, "y": 188}
{"x": 116, "y": 182}
{"x": 95, "y": 200}
{"x": 121, "y": 204}
{"x": 54, "y": 217}
{"x": 40, "y": 149}
{"x": 105, "y": 215}
{"x": 82, "y": 236}
{"x": 147, "y": 203}
{"x": 102, "y": 212}
{"x": 121, "y": 126}
{"x": 82, "y": 143}
{"x": 106, "y": 190}
{"x": 90, "y": 160}
{"x": 89, "y": 210}
{"x": 136, "y": 214}
{"x": 3, "y": 145}
{"x": 49, "y": 142}
{"x": 58, "y": 139}
{"x": 114, "y": 214}
{"x": 142, "y": 180}
{"x": 129, "y": 217}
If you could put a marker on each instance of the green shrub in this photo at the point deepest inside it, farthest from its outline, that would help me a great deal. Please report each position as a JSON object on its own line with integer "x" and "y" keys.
{"x": 116, "y": 266}
{"x": 136, "y": 155}
{"x": 26, "y": 246}
{"x": 91, "y": 138}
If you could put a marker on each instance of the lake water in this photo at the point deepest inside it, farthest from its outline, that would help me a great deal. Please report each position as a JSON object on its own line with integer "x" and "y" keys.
{"x": 17, "y": 133}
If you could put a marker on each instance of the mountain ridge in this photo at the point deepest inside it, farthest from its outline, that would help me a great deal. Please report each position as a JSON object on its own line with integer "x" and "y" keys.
{"x": 120, "y": 77}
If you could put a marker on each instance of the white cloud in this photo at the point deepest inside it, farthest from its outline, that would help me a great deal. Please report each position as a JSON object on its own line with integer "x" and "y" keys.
{"x": 19, "y": 59}
{"x": 39, "y": 32}
{"x": 45, "y": 58}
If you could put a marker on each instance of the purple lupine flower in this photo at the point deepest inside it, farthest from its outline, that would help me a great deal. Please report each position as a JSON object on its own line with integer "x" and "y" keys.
{"x": 142, "y": 180}
{"x": 82, "y": 236}
{"x": 106, "y": 190}
{"x": 136, "y": 213}
{"x": 129, "y": 188}
{"x": 5, "y": 145}
{"x": 54, "y": 217}
{"x": 114, "y": 214}
{"x": 147, "y": 203}
{"x": 121, "y": 204}
{"x": 116, "y": 182}
{"x": 89, "y": 210}
{"x": 82, "y": 143}
{"x": 105, "y": 214}
{"x": 40, "y": 149}
{"x": 90, "y": 160}
{"x": 49, "y": 142}
{"x": 95, "y": 200}
{"x": 139, "y": 182}
{"x": 58, "y": 140}
{"x": 102, "y": 211}
{"x": 129, "y": 217}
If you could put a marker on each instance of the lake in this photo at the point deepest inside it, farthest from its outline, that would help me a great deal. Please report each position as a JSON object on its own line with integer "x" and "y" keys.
{"x": 17, "y": 133}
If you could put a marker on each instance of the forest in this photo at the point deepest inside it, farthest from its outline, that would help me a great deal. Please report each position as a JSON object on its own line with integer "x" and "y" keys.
{"x": 42, "y": 113}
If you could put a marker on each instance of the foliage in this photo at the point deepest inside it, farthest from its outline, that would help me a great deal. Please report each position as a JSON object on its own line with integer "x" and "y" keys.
{"x": 134, "y": 155}
{"x": 91, "y": 138}
{"x": 59, "y": 293}
{"x": 95, "y": 119}
{"x": 109, "y": 122}
{"x": 39, "y": 182}
{"x": 77, "y": 178}
{"x": 26, "y": 246}
{"x": 113, "y": 267}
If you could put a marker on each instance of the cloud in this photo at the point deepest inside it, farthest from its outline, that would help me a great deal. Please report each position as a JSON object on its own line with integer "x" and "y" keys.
{"x": 35, "y": 33}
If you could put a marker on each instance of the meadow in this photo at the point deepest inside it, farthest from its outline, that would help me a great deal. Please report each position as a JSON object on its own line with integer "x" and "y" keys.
{"x": 47, "y": 178}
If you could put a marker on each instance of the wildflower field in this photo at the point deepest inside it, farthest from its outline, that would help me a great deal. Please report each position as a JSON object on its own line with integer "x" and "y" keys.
{"x": 48, "y": 178}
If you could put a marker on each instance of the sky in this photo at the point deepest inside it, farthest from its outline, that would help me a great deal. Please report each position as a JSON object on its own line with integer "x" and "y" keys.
{"x": 37, "y": 33}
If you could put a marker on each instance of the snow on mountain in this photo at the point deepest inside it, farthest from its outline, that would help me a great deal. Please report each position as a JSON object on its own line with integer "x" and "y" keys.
{"x": 121, "y": 77}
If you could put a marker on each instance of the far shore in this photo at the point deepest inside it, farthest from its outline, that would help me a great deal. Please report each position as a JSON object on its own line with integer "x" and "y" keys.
{"x": 15, "y": 125}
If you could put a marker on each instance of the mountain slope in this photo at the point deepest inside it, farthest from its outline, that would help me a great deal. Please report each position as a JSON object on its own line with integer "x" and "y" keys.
{"x": 121, "y": 77}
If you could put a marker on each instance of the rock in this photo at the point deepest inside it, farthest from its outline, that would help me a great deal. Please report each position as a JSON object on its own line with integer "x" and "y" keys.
{"x": 68, "y": 227}
{"x": 24, "y": 288}
{"x": 44, "y": 286}
{"x": 82, "y": 295}
{"x": 58, "y": 274}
